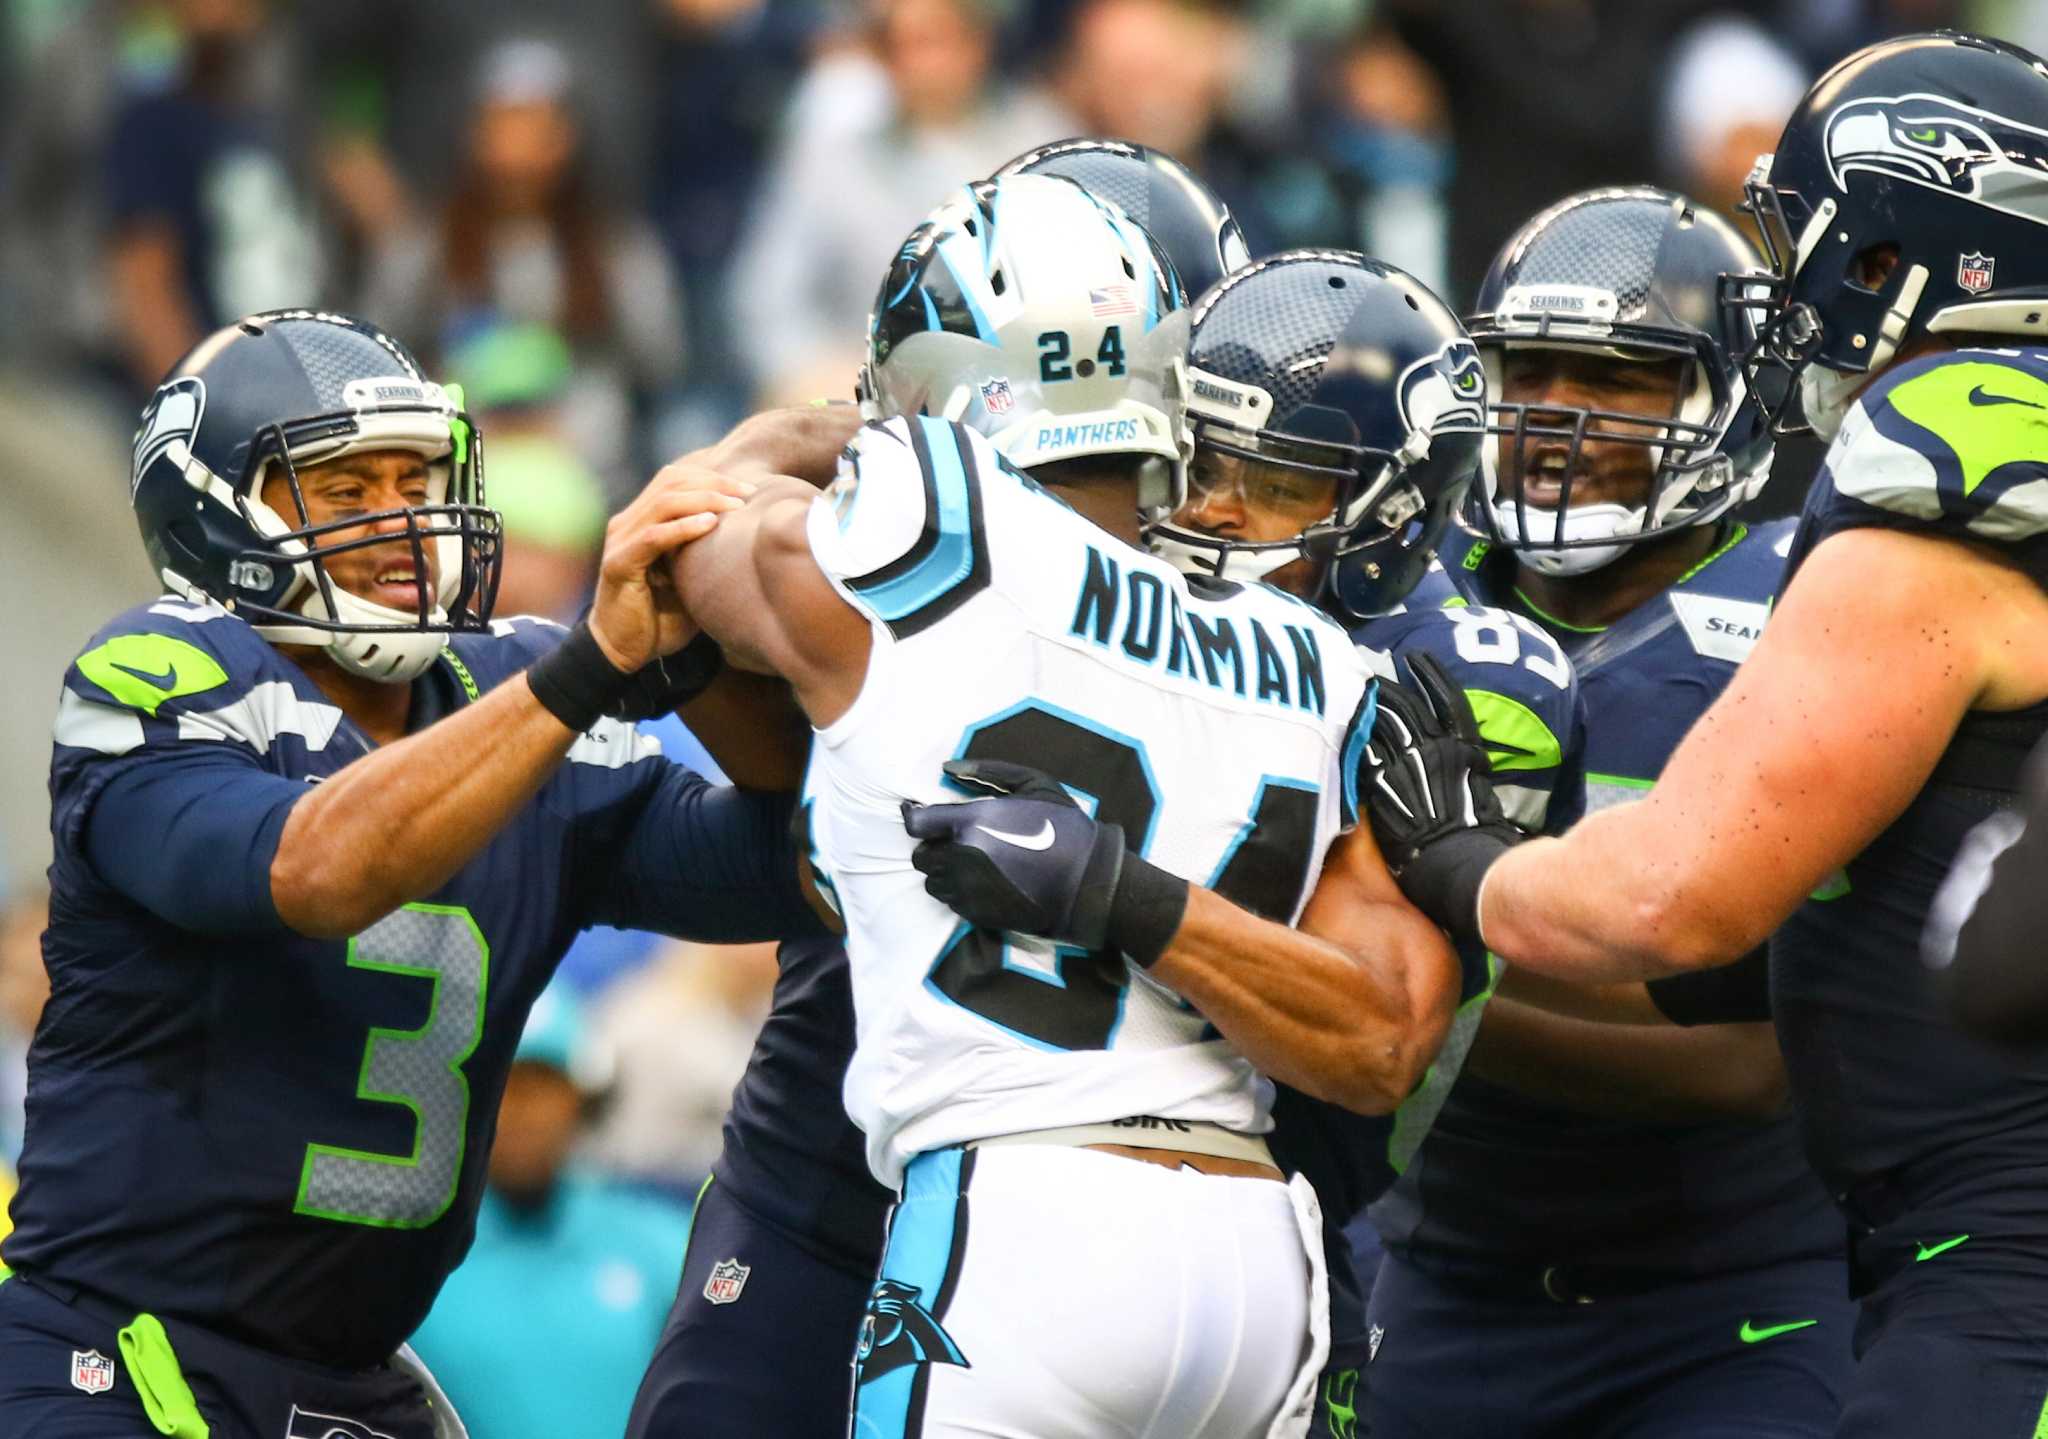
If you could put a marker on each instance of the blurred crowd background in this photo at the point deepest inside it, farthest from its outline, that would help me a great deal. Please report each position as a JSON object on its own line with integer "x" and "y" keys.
{"x": 620, "y": 224}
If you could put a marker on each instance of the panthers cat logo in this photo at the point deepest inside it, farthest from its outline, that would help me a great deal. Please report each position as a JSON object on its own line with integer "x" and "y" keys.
{"x": 899, "y": 1331}
{"x": 1957, "y": 149}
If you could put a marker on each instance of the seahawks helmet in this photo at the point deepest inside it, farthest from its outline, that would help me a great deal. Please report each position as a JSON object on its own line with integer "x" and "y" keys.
{"x": 1045, "y": 318}
{"x": 1929, "y": 155}
{"x": 1194, "y": 227}
{"x": 1625, "y": 275}
{"x": 1338, "y": 368}
{"x": 274, "y": 393}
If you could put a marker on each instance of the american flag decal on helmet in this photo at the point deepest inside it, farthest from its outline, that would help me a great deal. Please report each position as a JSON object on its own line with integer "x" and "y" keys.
{"x": 1112, "y": 300}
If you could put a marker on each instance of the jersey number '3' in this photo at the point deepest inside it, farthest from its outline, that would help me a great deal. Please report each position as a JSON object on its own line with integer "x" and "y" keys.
{"x": 419, "y": 1068}
{"x": 1076, "y": 1001}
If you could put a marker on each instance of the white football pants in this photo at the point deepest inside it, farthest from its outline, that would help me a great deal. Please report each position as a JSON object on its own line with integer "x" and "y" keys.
{"x": 1043, "y": 1292}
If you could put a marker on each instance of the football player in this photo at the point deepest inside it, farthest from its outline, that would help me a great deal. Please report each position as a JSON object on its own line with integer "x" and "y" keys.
{"x": 1887, "y": 708}
{"x": 1700, "y": 1259}
{"x": 322, "y": 831}
{"x": 938, "y": 608}
{"x": 1314, "y": 471}
{"x": 791, "y": 1203}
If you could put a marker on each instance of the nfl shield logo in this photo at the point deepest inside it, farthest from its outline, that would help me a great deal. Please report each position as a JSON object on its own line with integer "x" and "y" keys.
{"x": 996, "y": 397}
{"x": 728, "y": 1278}
{"x": 1973, "y": 272}
{"x": 91, "y": 1371}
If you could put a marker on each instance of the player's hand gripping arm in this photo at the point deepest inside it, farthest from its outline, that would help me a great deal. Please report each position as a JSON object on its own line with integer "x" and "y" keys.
{"x": 398, "y": 823}
{"x": 1350, "y": 1007}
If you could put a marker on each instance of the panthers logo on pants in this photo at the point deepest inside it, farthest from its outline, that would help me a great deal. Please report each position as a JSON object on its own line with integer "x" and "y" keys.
{"x": 899, "y": 1331}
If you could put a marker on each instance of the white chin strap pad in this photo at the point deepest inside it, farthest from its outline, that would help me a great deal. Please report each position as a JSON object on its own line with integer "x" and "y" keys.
{"x": 1582, "y": 523}
{"x": 1193, "y": 553}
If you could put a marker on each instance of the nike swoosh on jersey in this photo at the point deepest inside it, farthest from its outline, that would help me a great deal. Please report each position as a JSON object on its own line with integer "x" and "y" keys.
{"x": 1041, "y": 840}
{"x": 1750, "y": 1334}
{"x": 165, "y": 681}
{"x": 1928, "y": 1251}
{"x": 1981, "y": 396}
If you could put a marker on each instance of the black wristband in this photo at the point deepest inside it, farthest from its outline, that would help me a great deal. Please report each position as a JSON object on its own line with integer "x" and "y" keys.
{"x": 1443, "y": 878}
{"x": 575, "y": 681}
{"x": 668, "y": 683}
{"x": 1147, "y": 911}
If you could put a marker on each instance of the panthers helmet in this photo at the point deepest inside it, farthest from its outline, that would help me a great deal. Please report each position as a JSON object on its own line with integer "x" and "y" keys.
{"x": 1194, "y": 227}
{"x": 1627, "y": 274}
{"x": 1344, "y": 368}
{"x": 1930, "y": 152}
{"x": 286, "y": 389}
{"x": 1045, "y": 318}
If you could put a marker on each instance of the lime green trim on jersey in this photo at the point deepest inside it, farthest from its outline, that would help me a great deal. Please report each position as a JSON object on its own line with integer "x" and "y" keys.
{"x": 1552, "y": 620}
{"x": 1735, "y": 537}
{"x": 461, "y": 673}
{"x": 1621, "y": 781}
{"x": 1929, "y": 1251}
{"x": 1832, "y": 888}
{"x": 1515, "y": 736}
{"x": 144, "y": 671}
{"x": 1455, "y": 602}
{"x": 1749, "y": 1334}
{"x": 1340, "y": 1403}
{"x": 1988, "y": 415}
{"x": 2041, "y": 1422}
{"x": 159, "y": 1380}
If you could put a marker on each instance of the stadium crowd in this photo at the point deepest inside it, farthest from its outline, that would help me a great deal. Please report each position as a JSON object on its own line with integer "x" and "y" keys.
{"x": 621, "y": 228}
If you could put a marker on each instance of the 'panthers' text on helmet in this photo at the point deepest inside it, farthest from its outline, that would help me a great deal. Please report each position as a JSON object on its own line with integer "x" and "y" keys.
{"x": 1043, "y": 317}
{"x": 1633, "y": 274}
{"x": 1908, "y": 196}
{"x": 1344, "y": 368}
{"x": 1194, "y": 227}
{"x": 287, "y": 389}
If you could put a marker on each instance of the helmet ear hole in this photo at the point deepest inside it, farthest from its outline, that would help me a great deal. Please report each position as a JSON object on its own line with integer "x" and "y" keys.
{"x": 1872, "y": 266}
{"x": 996, "y": 283}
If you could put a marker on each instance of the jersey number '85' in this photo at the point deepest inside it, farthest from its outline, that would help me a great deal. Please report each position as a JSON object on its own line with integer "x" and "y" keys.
{"x": 1077, "y": 1001}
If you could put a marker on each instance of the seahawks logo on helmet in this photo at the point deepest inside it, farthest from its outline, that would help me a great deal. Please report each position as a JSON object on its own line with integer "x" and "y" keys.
{"x": 173, "y": 417}
{"x": 1445, "y": 392}
{"x": 899, "y": 1331}
{"x": 1957, "y": 149}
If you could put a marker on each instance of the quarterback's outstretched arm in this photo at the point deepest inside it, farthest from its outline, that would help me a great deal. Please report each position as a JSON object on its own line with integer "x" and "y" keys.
{"x": 1824, "y": 736}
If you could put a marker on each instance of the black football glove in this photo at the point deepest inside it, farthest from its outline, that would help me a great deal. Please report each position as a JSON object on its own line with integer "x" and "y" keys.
{"x": 1432, "y": 810}
{"x": 1029, "y": 860}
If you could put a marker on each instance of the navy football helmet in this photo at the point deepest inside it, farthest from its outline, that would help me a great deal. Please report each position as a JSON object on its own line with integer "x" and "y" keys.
{"x": 1632, "y": 274}
{"x": 1338, "y": 368}
{"x": 286, "y": 389}
{"x": 1908, "y": 196}
{"x": 1194, "y": 227}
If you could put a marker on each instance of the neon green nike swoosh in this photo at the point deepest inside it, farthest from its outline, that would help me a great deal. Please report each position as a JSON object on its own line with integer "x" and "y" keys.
{"x": 1928, "y": 1251}
{"x": 1750, "y": 1335}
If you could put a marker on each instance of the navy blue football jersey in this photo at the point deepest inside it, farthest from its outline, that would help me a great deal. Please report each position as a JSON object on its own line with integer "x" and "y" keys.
{"x": 1678, "y": 1199}
{"x": 1526, "y": 700}
{"x": 282, "y": 1138}
{"x": 1890, "y": 1095}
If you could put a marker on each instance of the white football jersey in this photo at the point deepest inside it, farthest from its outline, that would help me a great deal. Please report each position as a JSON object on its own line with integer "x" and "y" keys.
{"x": 1219, "y": 724}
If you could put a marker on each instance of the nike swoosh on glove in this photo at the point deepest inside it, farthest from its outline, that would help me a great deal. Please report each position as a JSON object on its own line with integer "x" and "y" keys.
{"x": 1026, "y": 859}
{"x": 1432, "y": 810}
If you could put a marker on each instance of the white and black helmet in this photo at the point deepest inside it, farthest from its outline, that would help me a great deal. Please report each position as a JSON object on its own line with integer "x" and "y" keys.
{"x": 1046, "y": 319}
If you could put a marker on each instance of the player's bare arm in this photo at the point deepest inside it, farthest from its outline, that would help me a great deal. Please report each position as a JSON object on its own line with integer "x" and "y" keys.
{"x": 396, "y": 824}
{"x": 1349, "y": 1007}
{"x": 758, "y": 591}
{"x": 1780, "y": 782}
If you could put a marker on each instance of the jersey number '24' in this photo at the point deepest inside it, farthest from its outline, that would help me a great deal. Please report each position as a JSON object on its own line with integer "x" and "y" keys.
{"x": 1077, "y": 999}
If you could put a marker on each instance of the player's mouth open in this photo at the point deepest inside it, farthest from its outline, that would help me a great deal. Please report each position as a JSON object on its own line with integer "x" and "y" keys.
{"x": 397, "y": 586}
{"x": 1543, "y": 480}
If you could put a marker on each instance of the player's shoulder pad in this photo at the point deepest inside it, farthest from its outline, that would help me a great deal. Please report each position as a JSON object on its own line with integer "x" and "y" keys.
{"x": 1522, "y": 689}
{"x": 183, "y": 670}
{"x": 901, "y": 529}
{"x": 511, "y": 644}
{"x": 1955, "y": 442}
